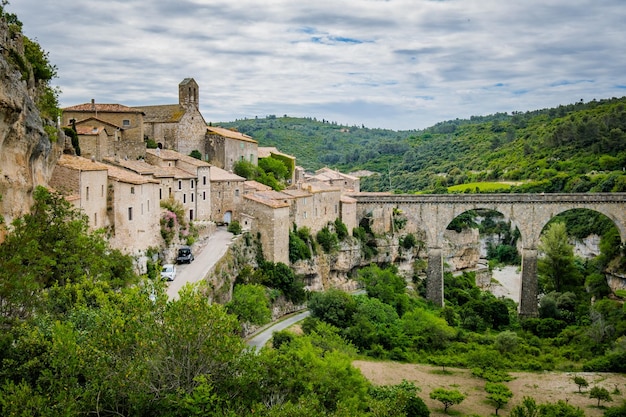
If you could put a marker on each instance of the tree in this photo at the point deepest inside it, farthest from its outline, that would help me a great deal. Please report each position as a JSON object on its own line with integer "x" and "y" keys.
{"x": 250, "y": 304}
{"x": 499, "y": 394}
{"x": 447, "y": 397}
{"x": 557, "y": 266}
{"x": 333, "y": 306}
{"x": 600, "y": 393}
{"x": 528, "y": 408}
{"x": 196, "y": 154}
{"x": 581, "y": 382}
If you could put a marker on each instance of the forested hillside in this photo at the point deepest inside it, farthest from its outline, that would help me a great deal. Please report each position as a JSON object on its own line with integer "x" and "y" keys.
{"x": 578, "y": 147}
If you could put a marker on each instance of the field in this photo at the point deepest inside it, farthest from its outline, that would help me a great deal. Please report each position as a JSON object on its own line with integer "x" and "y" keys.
{"x": 482, "y": 186}
{"x": 542, "y": 386}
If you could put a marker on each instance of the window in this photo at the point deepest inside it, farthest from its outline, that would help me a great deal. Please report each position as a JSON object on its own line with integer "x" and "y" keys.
{"x": 184, "y": 198}
{"x": 180, "y": 184}
{"x": 336, "y": 209}
{"x": 204, "y": 180}
{"x": 160, "y": 194}
{"x": 192, "y": 197}
{"x": 203, "y": 195}
{"x": 191, "y": 184}
{"x": 132, "y": 190}
{"x": 87, "y": 193}
{"x": 125, "y": 122}
{"x": 130, "y": 213}
{"x": 236, "y": 193}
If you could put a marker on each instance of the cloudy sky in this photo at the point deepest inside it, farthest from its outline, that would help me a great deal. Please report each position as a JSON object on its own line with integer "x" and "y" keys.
{"x": 398, "y": 64}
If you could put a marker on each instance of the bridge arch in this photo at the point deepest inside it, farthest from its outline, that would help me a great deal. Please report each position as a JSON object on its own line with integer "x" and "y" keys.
{"x": 430, "y": 214}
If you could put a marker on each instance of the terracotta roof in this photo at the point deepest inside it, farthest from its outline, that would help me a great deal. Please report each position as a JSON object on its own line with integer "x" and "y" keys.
{"x": 105, "y": 108}
{"x": 126, "y": 176}
{"x": 80, "y": 164}
{"x": 179, "y": 174}
{"x": 227, "y": 133}
{"x": 89, "y": 130}
{"x": 165, "y": 113}
{"x": 267, "y": 200}
{"x": 94, "y": 121}
{"x": 170, "y": 155}
{"x": 327, "y": 173}
{"x": 267, "y": 151}
{"x": 219, "y": 174}
{"x": 318, "y": 187}
{"x": 294, "y": 192}
{"x": 138, "y": 166}
{"x": 256, "y": 186}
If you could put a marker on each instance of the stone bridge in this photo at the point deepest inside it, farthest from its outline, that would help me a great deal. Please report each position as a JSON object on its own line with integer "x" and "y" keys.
{"x": 428, "y": 215}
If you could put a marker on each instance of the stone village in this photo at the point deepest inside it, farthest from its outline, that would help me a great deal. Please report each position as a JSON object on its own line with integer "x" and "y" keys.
{"x": 119, "y": 183}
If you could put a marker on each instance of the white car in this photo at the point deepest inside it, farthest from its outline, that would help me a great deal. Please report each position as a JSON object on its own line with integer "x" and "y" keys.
{"x": 168, "y": 272}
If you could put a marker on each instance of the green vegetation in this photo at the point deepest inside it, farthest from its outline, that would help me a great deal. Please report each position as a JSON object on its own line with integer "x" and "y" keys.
{"x": 578, "y": 147}
{"x": 447, "y": 397}
{"x": 271, "y": 171}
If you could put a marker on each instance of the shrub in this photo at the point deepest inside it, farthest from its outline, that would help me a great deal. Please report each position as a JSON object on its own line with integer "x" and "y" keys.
{"x": 234, "y": 227}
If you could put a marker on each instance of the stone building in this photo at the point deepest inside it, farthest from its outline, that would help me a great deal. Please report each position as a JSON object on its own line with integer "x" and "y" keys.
{"x": 180, "y": 126}
{"x": 315, "y": 205}
{"x": 347, "y": 183}
{"x": 135, "y": 211}
{"x": 85, "y": 184}
{"x": 124, "y": 126}
{"x": 98, "y": 139}
{"x": 227, "y": 190}
{"x": 269, "y": 217}
{"x": 192, "y": 182}
{"x": 225, "y": 147}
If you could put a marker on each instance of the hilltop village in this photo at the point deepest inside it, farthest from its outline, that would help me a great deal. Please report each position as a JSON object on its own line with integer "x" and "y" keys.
{"x": 119, "y": 183}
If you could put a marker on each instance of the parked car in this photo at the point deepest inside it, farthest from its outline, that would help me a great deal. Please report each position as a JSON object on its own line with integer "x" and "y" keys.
{"x": 168, "y": 272}
{"x": 184, "y": 255}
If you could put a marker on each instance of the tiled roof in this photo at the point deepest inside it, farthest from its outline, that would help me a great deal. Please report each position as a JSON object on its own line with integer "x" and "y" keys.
{"x": 327, "y": 173}
{"x": 346, "y": 199}
{"x": 219, "y": 174}
{"x": 80, "y": 164}
{"x": 318, "y": 187}
{"x": 170, "y": 155}
{"x": 294, "y": 192}
{"x": 166, "y": 113}
{"x": 267, "y": 151}
{"x": 124, "y": 175}
{"x": 179, "y": 174}
{"x": 105, "y": 108}
{"x": 256, "y": 186}
{"x": 267, "y": 200}
{"x": 89, "y": 130}
{"x": 227, "y": 133}
{"x": 94, "y": 121}
{"x": 138, "y": 166}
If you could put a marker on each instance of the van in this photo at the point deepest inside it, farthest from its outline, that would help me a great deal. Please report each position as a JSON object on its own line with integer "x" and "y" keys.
{"x": 184, "y": 255}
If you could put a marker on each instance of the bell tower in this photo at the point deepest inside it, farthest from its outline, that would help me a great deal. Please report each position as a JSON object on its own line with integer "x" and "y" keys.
{"x": 188, "y": 93}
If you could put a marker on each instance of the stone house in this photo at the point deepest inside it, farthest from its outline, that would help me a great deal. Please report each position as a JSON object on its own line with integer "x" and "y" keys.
{"x": 225, "y": 147}
{"x": 347, "y": 183}
{"x": 227, "y": 190}
{"x": 97, "y": 138}
{"x": 192, "y": 181}
{"x": 315, "y": 205}
{"x": 135, "y": 211}
{"x": 269, "y": 217}
{"x": 178, "y": 127}
{"x": 85, "y": 184}
{"x": 124, "y": 126}
{"x": 348, "y": 213}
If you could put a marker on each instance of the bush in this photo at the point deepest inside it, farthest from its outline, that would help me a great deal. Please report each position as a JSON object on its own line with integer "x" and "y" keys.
{"x": 327, "y": 240}
{"x": 234, "y": 227}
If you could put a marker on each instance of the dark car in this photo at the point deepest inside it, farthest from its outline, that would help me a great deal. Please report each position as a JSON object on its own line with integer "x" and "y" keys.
{"x": 184, "y": 255}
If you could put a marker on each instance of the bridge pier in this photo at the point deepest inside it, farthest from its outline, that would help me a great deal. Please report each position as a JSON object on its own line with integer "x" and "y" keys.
{"x": 530, "y": 285}
{"x": 434, "y": 276}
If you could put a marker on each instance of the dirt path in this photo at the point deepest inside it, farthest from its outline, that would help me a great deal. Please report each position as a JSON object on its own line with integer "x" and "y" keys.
{"x": 542, "y": 386}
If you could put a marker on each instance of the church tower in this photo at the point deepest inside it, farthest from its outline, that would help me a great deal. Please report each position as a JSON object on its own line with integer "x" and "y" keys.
{"x": 188, "y": 93}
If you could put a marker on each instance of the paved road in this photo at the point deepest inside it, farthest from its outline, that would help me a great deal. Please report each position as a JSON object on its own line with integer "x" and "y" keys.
{"x": 260, "y": 339}
{"x": 209, "y": 252}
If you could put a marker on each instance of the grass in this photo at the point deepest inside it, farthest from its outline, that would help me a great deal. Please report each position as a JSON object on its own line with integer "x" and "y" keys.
{"x": 474, "y": 187}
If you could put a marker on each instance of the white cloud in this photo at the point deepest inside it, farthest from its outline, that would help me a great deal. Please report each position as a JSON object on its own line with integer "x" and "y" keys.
{"x": 399, "y": 64}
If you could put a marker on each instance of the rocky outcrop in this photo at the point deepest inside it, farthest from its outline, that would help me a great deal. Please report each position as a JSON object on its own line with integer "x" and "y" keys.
{"x": 27, "y": 156}
{"x": 462, "y": 248}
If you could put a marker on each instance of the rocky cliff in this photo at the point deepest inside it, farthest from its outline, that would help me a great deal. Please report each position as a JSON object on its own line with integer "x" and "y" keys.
{"x": 27, "y": 156}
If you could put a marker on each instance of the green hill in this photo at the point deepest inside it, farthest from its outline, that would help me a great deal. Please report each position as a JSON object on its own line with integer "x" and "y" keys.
{"x": 579, "y": 147}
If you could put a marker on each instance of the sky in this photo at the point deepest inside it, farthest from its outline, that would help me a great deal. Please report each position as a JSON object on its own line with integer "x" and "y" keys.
{"x": 394, "y": 64}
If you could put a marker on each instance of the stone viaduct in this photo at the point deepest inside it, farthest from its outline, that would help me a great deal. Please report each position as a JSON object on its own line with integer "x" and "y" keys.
{"x": 428, "y": 215}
